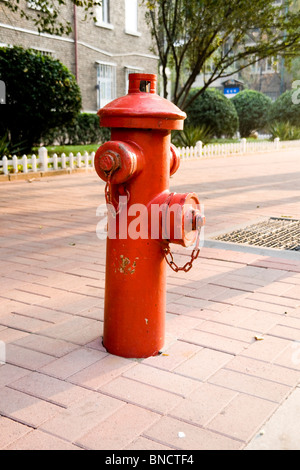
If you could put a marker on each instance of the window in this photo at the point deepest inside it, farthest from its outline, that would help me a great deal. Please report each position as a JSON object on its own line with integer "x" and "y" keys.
{"x": 105, "y": 11}
{"x": 103, "y": 14}
{"x": 271, "y": 65}
{"x": 44, "y": 52}
{"x": 106, "y": 84}
{"x": 131, "y": 17}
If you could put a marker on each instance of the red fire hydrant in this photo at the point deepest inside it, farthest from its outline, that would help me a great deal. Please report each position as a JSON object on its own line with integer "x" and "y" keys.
{"x": 143, "y": 216}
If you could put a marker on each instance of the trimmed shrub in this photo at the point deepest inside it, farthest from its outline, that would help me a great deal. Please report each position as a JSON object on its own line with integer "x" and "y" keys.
{"x": 41, "y": 94}
{"x": 84, "y": 129}
{"x": 286, "y": 109}
{"x": 212, "y": 109}
{"x": 252, "y": 108}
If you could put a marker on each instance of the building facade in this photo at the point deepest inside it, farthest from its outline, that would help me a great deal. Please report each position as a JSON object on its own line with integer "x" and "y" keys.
{"x": 100, "y": 53}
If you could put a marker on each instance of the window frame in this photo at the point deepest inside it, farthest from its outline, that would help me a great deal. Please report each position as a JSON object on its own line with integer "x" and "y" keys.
{"x": 132, "y": 29}
{"x": 103, "y": 17}
{"x": 110, "y": 82}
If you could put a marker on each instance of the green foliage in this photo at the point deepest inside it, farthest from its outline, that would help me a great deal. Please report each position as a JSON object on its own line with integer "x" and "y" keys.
{"x": 190, "y": 35}
{"x": 215, "y": 111}
{"x": 252, "y": 108}
{"x": 41, "y": 94}
{"x": 286, "y": 108}
{"x": 46, "y": 14}
{"x": 191, "y": 135}
{"x": 6, "y": 148}
{"x": 284, "y": 130}
{"x": 82, "y": 130}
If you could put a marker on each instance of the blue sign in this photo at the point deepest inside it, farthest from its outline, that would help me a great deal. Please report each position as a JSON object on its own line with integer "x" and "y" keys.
{"x": 231, "y": 91}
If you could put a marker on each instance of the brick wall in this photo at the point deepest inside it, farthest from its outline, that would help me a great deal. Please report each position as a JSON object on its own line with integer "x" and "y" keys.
{"x": 95, "y": 44}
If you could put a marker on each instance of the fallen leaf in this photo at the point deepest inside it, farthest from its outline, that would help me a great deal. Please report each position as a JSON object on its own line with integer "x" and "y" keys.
{"x": 259, "y": 338}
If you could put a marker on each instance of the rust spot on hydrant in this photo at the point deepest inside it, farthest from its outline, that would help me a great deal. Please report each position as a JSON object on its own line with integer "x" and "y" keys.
{"x": 125, "y": 267}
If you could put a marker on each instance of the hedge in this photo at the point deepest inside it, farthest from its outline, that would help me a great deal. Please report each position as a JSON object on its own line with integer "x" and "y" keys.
{"x": 212, "y": 109}
{"x": 252, "y": 108}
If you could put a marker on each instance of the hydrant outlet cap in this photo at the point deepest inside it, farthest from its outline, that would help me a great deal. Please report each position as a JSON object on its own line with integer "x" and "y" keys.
{"x": 142, "y": 108}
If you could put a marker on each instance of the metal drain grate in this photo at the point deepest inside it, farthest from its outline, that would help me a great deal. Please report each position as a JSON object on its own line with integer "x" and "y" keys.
{"x": 280, "y": 233}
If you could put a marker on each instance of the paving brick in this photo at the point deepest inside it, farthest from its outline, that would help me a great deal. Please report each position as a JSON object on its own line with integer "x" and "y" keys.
{"x": 292, "y": 293}
{"x": 10, "y": 431}
{"x": 38, "y": 440}
{"x": 251, "y": 385}
{"x": 119, "y": 429}
{"x": 276, "y": 288}
{"x": 237, "y": 283}
{"x": 177, "y": 324}
{"x": 228, "y": 331}
{"x": 188, "y": 310}
{"x": 282, "y": 431}
{"x": 26, "y": 358}
{"x": 203, "y": 364}
{"x": 51, "y": 389}
{"x": 260, "y": 322}
{"x": 290, "y": 356}
{"x": 24, "y": 323}
{"x": 72, "y": 363}
{"x": 242, "y": 417}
{"x": 79, "y": 418}
{"x": 263, "y": 306}
{"x": 50, "y": 346}
{"x": 101, "y": 372}
{"x": 40, "y": 313}
{"x": 266, "y": 350}
{"x": 77, "y": 330}
{"x": 162, "y": 379}
{"x": 26, "y": 297}
{"x": 212, "y": 341}
{"x": 276, "y": 299}
{"x": 172, "y": 356}
{"x": 203, "y": 404}
{"x": 24, "y": 408}
{"x": 142, "y": 443}
{"x": 9, "y": 335}
{"x": 9, "y": 373}
{"x": 141, "y": 394}
{"x": 264, "y": 370}
{"x": 285, "y": 332}
{"x": 168, "y": 430}
{"x": 208, "y": 291}
{"x": 232, "y": 315}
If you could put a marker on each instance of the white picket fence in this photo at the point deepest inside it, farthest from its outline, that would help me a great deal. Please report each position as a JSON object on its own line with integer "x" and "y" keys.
{"x": 235, "y": 148}
{"x": 43, "y": 163}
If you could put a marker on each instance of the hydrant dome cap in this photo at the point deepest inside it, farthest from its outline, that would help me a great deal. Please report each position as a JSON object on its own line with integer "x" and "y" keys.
{"x": 142, "y": 107}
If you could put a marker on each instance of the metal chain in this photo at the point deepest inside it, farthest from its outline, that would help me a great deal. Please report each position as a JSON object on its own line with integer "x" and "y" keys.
{"x": 189, "y": 264}
{"x": 108, "y": 195}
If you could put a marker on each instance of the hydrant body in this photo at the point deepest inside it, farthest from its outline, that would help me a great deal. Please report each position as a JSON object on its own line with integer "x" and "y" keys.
{"x": 136, "y": 165}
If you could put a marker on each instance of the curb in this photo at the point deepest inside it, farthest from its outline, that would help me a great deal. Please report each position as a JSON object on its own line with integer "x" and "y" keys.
{"x": 42, "y": 174}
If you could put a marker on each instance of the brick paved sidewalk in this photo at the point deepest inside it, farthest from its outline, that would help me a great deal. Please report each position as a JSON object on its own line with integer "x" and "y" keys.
{"x": 231, "y": 357}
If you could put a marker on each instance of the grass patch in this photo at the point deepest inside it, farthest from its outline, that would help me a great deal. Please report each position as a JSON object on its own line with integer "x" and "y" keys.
{"x": 67, "y": 149}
